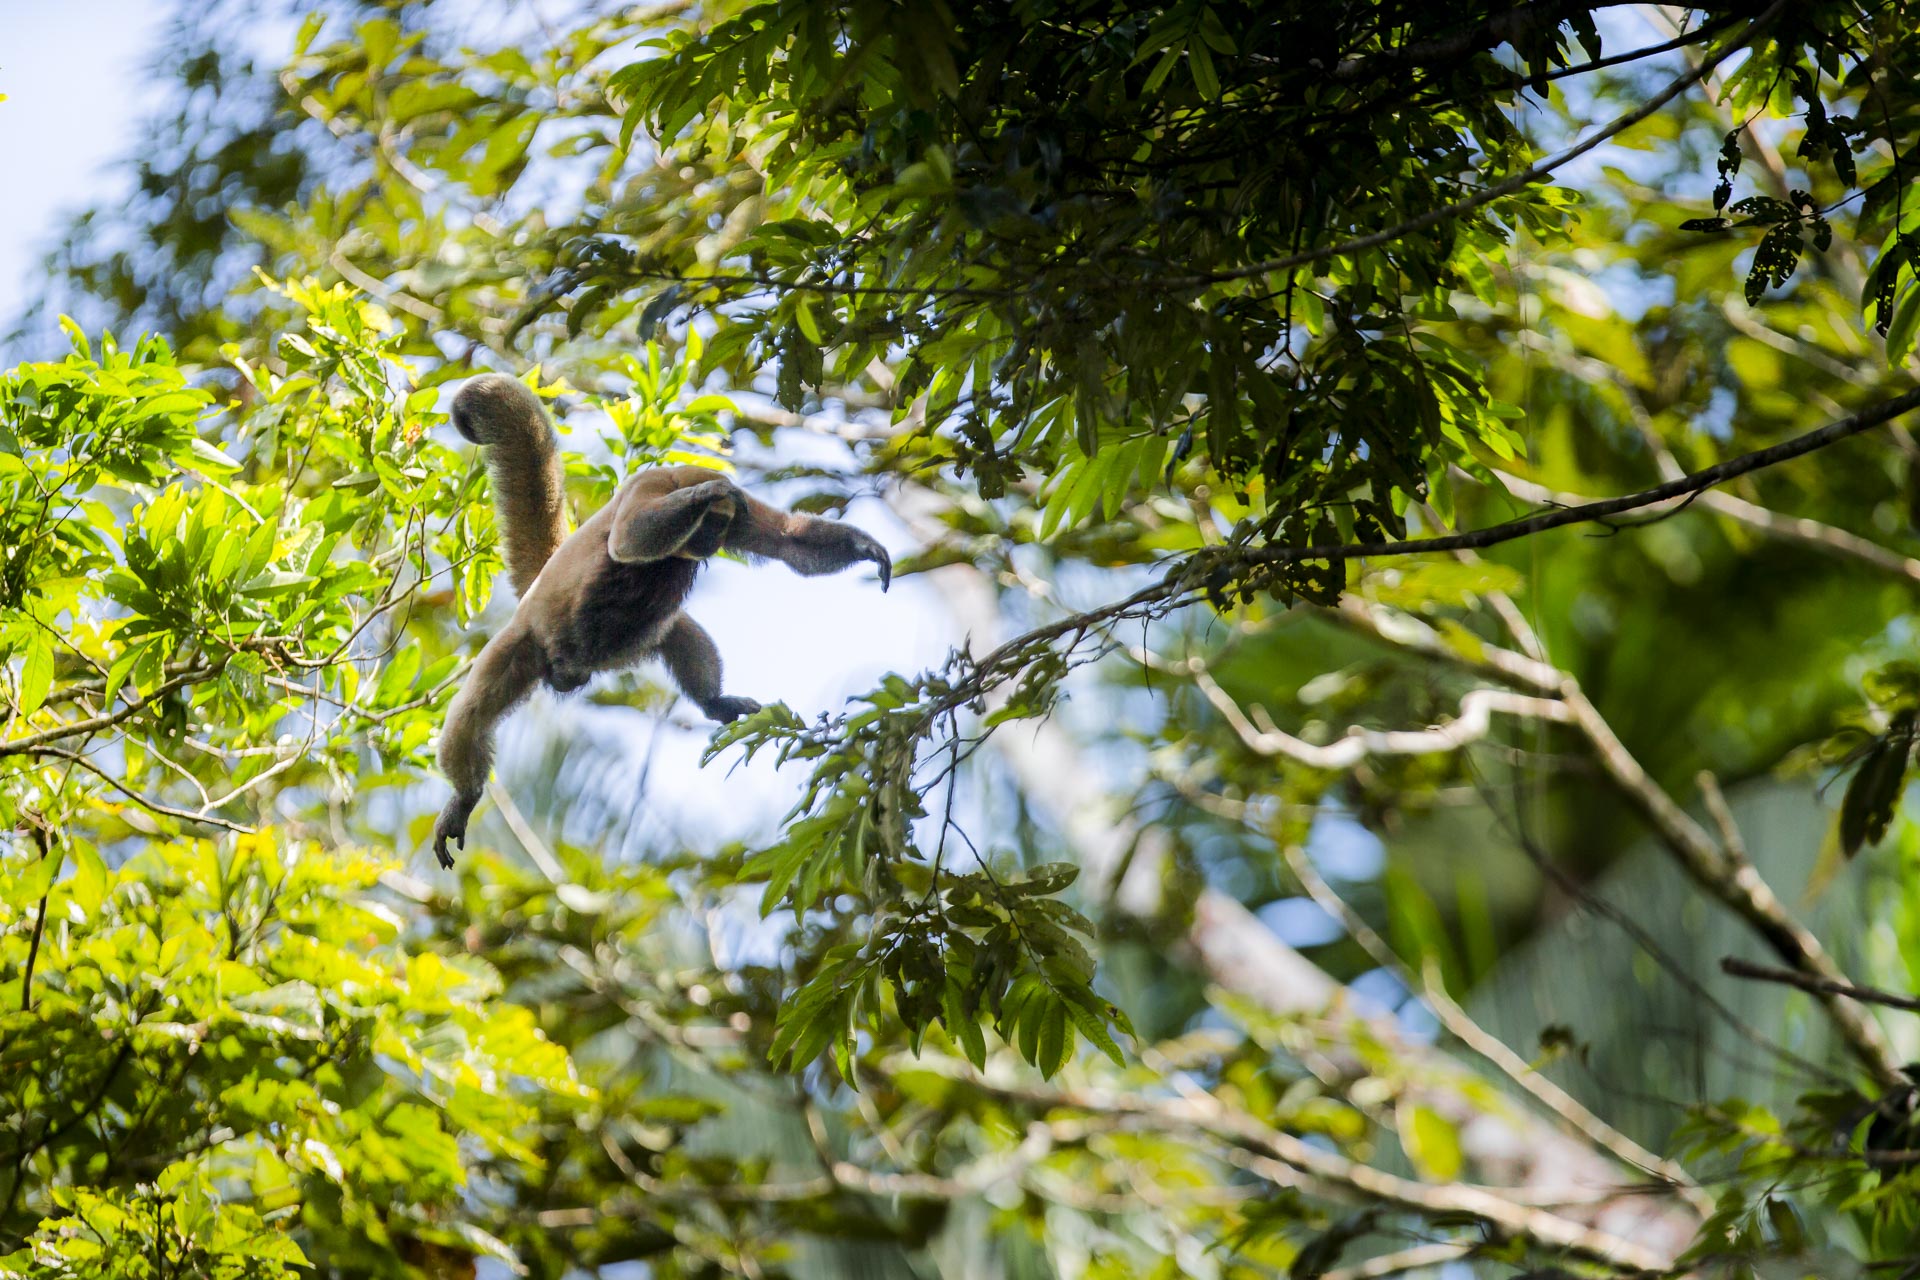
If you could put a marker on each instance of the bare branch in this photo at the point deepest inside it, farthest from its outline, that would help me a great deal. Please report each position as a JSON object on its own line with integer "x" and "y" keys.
{"x": 1794, "y": 528}
{"x": 1418, "y": 1258}
{"x": 1473, "y": 723}
{"x": 1739, "y": 968}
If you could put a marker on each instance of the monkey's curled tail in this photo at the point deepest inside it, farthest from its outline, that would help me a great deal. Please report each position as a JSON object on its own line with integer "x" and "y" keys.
{"x": 523, "y": 460}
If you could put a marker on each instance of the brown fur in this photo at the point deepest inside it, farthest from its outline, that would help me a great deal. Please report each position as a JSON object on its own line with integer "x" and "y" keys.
{"x": 609, "y": 595}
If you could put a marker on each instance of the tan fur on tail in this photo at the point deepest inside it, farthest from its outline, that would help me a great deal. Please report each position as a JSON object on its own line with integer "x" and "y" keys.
{"x": 523, "y": 461}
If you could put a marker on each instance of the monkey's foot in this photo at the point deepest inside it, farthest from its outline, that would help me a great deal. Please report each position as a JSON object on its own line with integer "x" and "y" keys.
{"x": 727, "y": 709}
{"x": 452, "y": 826}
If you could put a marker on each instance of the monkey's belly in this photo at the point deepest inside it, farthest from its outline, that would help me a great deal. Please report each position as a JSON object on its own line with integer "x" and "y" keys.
{"x": 623, "y": 613}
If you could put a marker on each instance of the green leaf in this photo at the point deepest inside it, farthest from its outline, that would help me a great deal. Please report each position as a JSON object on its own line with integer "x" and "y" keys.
{"x": 36, "y": 672}
{"x": 1431, "y": 1141}
{"x": 1866, "y": 810}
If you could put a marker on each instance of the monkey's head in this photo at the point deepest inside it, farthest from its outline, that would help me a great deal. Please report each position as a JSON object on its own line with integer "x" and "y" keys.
{"x": 711, "y": 533}
{"x": 494, "y": 407}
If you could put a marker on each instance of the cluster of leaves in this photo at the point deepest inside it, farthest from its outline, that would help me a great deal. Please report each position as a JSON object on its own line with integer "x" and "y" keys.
{"x": 1788, "y": 78}
{"x": 244, "y": 1026}
{"x": 1079, "y": 291}
{"x": 930, "y": 944}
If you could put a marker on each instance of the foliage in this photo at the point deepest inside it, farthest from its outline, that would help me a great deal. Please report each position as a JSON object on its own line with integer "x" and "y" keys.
{"x": 1168, "y": 322}
{"x": 213, "y": 1041}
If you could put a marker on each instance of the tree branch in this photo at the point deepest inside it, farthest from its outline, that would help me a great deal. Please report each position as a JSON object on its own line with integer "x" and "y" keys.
{"x": 1813, "y": 533}
{"x": 1818, "y": 986}
{"x": 1473, "y": 723}
{"x": 1189, "y": 577}
{"x": 1733, "y": 881}
{"x": 1605, "y": 508}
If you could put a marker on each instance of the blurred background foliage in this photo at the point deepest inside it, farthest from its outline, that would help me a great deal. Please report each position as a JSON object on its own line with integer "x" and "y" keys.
{"x": 1230, "y": 902}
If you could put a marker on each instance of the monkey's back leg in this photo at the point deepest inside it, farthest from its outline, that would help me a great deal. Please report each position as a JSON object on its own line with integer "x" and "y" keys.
{"x": 694, "y": 662}
{"x": 503, "y": 674}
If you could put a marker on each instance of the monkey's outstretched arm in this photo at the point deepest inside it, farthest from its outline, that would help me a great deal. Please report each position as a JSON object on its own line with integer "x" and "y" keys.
{"x": 808, "y": 544}
{"x": 694, "y": 662}
{"x": 653, "y": 518}
{"x": 503, "y": 674}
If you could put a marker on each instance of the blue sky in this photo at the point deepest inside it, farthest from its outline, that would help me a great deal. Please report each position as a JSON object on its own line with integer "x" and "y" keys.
{"x": 71, "y": 73}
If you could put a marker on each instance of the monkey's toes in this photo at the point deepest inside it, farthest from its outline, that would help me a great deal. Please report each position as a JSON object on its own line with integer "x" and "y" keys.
{"x": 728, "y": 709}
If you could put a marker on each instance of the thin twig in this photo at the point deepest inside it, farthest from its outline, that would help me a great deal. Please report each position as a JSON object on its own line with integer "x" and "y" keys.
{"x": 1738, "y": 968}
{"x": 39, "y": 924}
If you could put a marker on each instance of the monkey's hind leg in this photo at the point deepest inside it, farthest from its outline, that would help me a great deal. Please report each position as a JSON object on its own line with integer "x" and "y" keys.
{"x": 694, "y": 663}
{"x": 503, "y": 674}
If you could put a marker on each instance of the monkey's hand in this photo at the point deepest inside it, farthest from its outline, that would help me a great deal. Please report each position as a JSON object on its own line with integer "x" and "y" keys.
{"x": 865, "y": 547}
{"x": 726, "y": 709}
{"x": 452, "y": 826}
